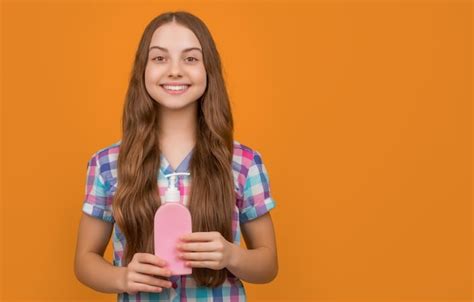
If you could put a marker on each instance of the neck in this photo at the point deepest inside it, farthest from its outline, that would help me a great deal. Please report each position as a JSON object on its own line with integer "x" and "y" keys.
{"x": 178, "y": 125}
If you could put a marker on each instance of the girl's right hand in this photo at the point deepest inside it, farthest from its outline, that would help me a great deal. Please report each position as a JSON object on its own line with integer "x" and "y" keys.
{"x": 139, "y": 275}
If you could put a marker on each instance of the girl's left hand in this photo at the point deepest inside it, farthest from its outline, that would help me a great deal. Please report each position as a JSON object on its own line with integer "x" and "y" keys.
{"x": 206, "y": 249}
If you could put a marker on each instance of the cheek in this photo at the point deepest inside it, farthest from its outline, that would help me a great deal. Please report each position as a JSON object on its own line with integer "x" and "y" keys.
{"x": 151, "y": 74}
{"x": 199, "y": 76}
{"x": 151, "y": 78}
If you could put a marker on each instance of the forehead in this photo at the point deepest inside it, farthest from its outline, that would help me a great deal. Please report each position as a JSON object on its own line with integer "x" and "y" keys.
{"x": 174, "y": 37}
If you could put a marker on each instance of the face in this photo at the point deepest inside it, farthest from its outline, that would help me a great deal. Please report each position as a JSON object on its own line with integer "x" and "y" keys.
{"x": 175, "y": 76}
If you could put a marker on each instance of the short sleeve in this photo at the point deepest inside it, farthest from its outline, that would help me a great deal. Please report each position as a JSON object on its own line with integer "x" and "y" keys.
{"x": 256, "y": 193}
{"x": 97, "y": 202}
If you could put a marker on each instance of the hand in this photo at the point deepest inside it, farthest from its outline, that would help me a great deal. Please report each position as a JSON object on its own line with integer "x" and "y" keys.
{"x": 206, "y": 249}
{"x": 140, "y": 274}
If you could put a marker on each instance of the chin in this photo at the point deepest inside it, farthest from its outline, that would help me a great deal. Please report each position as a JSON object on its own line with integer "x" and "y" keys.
{"x": 176, "y": 105}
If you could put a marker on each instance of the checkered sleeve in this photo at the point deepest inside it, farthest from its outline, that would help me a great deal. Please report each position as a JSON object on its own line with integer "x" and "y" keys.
{"x": 256, "y": 196}
{"x": 97, "y": 202}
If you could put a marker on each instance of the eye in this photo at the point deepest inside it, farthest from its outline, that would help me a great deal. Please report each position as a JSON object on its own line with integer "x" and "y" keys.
{"x": 154, "y": 59}
{"x": 192, "y": 58}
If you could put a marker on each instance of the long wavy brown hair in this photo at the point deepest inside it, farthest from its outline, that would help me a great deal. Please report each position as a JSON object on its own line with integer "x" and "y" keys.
{"x": 212, "y": 197}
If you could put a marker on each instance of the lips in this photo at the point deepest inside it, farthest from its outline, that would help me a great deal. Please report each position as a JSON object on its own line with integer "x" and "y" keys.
{"x": 180, "y": 91}
{"x": 175, "y": 84}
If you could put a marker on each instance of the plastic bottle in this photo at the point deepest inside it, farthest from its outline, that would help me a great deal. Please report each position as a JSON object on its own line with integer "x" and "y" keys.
{"x": 172, "y": 220}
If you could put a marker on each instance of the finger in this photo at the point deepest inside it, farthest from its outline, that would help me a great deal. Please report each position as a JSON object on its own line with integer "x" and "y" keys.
{"x": 208, "y": 264}
{"x": 140, "y": 287}
{"x": 150, "y": 258}
{"x": 152, "y": 281}
{"x": 200, "y": 236}
{"x": 151, "y": 269}
{"x": 202, "y": 256}
{"x": 197, "y": 247}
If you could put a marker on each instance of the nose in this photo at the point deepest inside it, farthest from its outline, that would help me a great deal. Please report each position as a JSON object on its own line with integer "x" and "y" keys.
{"x": 175, "y": 69}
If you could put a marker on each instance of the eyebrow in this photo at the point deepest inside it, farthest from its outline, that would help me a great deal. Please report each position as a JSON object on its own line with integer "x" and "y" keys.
{"x": 184, "y": 50}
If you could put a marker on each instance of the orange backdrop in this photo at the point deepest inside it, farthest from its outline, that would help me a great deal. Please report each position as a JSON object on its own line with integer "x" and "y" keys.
{"x": 361, "y": 110}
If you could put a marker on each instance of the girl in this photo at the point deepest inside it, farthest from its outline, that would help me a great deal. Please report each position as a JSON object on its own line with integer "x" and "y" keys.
{"x": 177, "y": 118}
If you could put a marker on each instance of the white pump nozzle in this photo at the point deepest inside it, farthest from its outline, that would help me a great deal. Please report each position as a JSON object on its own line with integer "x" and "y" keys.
{"x": 172, "y": 193}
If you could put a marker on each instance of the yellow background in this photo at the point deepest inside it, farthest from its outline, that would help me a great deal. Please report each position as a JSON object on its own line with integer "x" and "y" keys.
{"x": 361, "y": 110}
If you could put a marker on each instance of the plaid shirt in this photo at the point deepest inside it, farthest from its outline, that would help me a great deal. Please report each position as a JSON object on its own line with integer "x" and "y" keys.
{"x": 252, "y": 200}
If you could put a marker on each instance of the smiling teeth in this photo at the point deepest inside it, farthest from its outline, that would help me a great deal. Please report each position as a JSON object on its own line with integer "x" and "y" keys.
{"x": 176, "y": 87}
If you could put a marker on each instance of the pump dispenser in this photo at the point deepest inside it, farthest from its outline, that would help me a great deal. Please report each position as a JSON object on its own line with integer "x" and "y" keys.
{"x": 172, "y": 220}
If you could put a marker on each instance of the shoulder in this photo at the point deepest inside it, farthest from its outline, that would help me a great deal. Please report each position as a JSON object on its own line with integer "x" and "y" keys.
{"x": 244, "y": 158}
{"x": 105, "y": 159}
{"x": 242, "y": 150}
{"x": 243, "y": 155}
{"x": 107, "y": 154}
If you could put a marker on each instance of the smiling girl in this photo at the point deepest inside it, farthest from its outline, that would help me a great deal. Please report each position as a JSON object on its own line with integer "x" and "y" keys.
{"x": 177, "y": 118}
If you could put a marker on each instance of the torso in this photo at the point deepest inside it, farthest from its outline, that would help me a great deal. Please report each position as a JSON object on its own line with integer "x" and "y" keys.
{"x": 101, "y": 206}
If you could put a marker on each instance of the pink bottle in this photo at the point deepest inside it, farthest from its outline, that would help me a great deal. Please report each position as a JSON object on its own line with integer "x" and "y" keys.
{"x": 172, "y": 220}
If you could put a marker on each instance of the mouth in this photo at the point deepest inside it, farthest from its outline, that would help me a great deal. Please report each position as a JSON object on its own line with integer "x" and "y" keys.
{"x": 175, "y": 89}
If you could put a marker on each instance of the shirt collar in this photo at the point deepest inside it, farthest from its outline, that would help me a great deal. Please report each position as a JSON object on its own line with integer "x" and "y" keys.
{"x": 182, "y": 167}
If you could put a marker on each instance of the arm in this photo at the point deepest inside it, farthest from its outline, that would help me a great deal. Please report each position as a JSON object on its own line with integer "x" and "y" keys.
{"x": 90, "y": 267}
{"x": 258, "y": 263}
